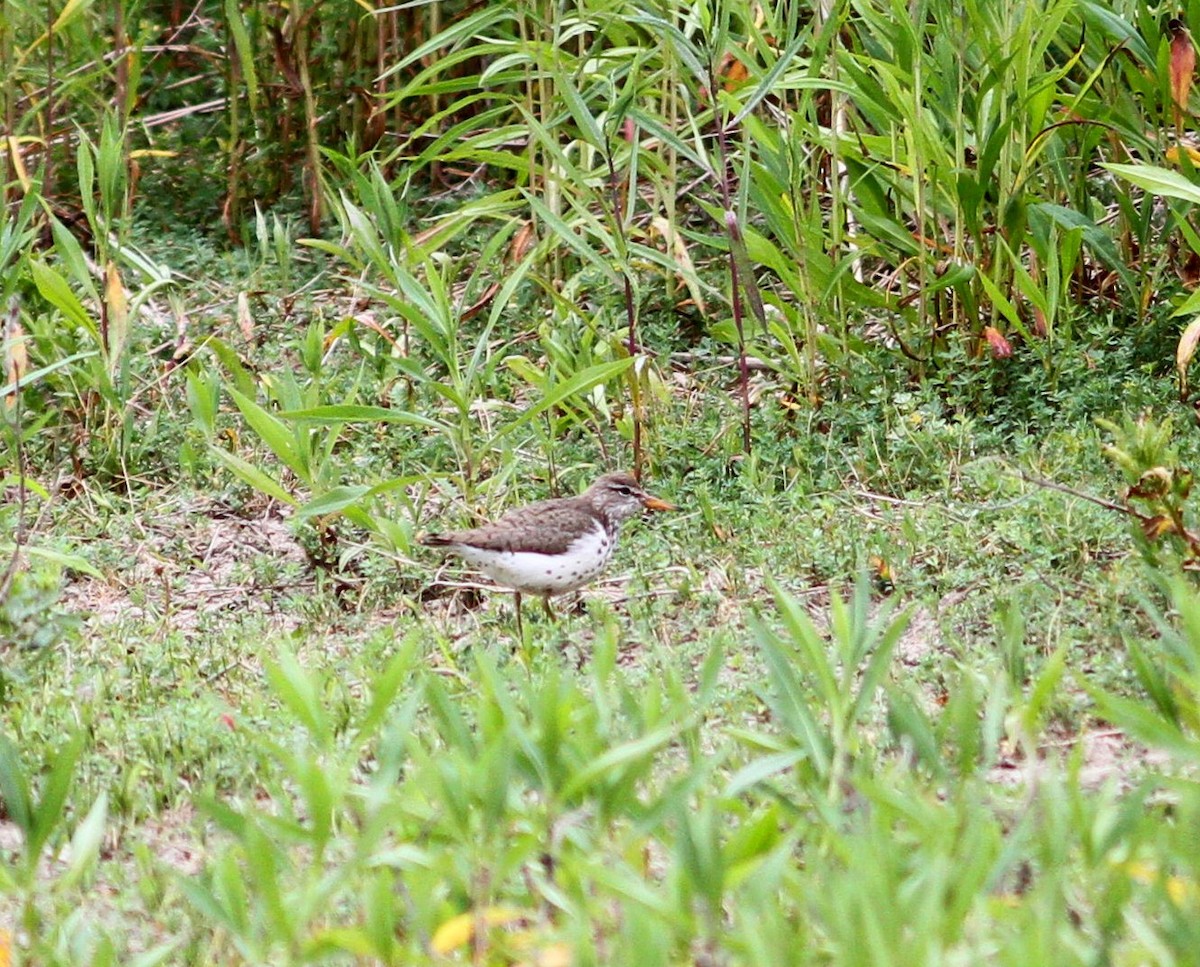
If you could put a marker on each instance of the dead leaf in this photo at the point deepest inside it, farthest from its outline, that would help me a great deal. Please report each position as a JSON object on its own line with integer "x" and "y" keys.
{"x": 1189, "y": 271}
{"x": 733, "y": 72}
{"x": 521, "y": 242}
{"x": 882, "y": 573}
{"x": 1155, "y": 527}
{"x": 551, "y": 955}
{"x": 683, "y": 259}
{"x": 18, "y": 162}
{"x": 1184, "y": 352}
{"x": 16, "y": 359}
{"x": 1001, "y": 347}
{"x": 245, "y": 320}
{"x": 1154, "y": 483}
{"x": 1183, "y": 64}
{"x": 1180, "y": 889}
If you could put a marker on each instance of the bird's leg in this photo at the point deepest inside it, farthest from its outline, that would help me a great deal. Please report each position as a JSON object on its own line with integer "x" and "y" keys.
{"x": 546, "y": 605}
{"x": 520, "y": 630}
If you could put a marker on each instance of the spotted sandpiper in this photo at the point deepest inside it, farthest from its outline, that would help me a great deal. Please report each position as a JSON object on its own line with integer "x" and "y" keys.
{"x": 552, "y": 546}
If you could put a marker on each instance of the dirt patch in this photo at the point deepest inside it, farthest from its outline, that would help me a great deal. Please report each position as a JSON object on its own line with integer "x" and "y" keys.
{"x": 198, "y": 561}
{"x": 1106, "y": 755}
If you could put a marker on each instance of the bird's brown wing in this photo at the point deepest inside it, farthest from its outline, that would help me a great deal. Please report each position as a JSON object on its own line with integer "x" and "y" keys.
{"x": 547, "y": 527}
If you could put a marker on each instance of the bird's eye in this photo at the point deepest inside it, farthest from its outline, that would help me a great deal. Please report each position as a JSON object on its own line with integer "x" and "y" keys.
{"x": 625, "y": 491}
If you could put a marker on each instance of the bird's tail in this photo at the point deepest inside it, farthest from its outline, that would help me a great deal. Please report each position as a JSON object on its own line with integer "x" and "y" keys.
{"x": 435, "y": 540}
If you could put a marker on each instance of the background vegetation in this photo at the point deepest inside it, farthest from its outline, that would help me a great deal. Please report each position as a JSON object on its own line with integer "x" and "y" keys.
{"x": 895, "y": 299}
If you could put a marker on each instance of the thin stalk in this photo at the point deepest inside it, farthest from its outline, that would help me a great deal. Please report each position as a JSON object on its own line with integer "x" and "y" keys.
{"x": 434, "y": 101}
{"x": 48, "y": 116}
{"x": 7, "y": 93}
{"x": 734, "y": 232}
{"x": 312, "y": 161}
{"x": 635, "y": 383}
{"x": 232, "y": 207}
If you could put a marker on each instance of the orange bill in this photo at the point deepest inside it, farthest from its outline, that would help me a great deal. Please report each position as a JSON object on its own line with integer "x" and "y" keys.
{"x": 654, "y": 503}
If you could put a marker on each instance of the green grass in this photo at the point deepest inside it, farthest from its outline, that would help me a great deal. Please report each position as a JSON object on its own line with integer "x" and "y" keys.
{"x": 870, "y": 697}
{"x": 318, "y": 763}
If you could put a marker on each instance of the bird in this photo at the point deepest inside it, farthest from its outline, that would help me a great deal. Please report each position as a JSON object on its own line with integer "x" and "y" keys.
{"x": 552, "y": 546}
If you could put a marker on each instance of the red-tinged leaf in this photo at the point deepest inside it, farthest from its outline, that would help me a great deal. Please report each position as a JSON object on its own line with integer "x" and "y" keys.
{"x": 1183, "y": 64}
{"x": 733, "y": 72}
{"x": 1039, "y": 322}
{"x": 1001, "y": 347}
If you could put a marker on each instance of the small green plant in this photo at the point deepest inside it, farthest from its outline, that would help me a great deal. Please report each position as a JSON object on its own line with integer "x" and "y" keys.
{"x": 1159, "y": 490}
{"x": 31, "y": 615}
{"x": 1169, "y": 671}
{"x": 825, "y": 696}
{"x": 41, "y": 815}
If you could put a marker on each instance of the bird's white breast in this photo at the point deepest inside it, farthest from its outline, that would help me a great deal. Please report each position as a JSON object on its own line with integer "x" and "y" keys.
{"x": 537, "y": 573}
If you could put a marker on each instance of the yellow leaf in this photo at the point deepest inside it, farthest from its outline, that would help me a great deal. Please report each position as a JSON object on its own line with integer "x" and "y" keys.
{"x": 1180, "y": 889}
{"x": 69, "y": 10}
{"x": 14, "y": 152}
{"x": 460, "y": 930}
{"x": 1184, "y": 353}
{"x": 5, "y": 949}
{"x": 118, "y": 314}
{"x": 1174, "y": 153}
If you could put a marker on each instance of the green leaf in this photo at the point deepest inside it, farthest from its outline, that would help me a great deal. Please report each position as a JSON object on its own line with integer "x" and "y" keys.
{"x": 85, "y": 842}
{"x": 55, "y": 290}
{"x": 48, "y": 813}
{"x": 1158, "y": 181}
{"x": 332, "y": 501}
{"x": 14, "y": 786}
{"x": 30, "y": 378}
{"x": 767, "y": 85}
{"x": 581, "y": 382}
{"x": 250, "y": 474}
{"x": 331, "y": 940}
{"x": 243, "y": 379}
{"x": 275, "y": 434}
{"x": 755, "y": 772}
{"x": 245, "y": 52}
{"x": 1146, "y": 725}
{"x": 72, "y": 562}
{"x": 399, "y": 671}
{"x": 296, "y": 690}
{"x": 565, "y": 86}
{"x": 634, "y": 751}
{"x": 789, "y": 702}
{"x": 337, "y": 414}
